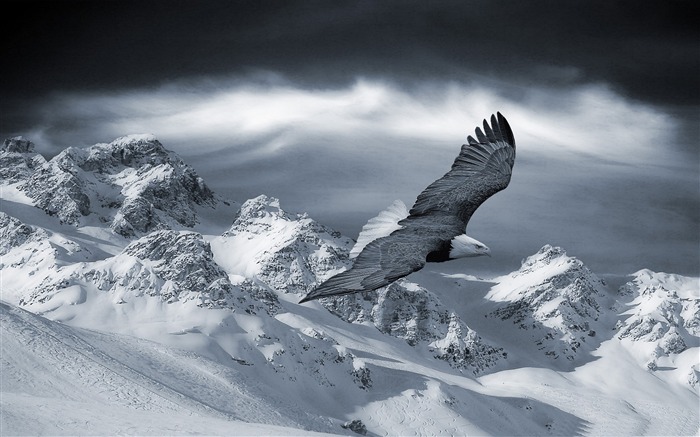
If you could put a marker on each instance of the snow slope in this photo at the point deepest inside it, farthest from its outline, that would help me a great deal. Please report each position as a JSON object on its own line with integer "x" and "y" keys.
{"x": 61, "y": 380}
{"x": 191, "y": 326}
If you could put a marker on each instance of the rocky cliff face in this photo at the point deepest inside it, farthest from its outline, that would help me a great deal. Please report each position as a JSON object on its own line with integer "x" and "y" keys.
{"x": 14, "y": 233}
{"x": 132, "y": 183}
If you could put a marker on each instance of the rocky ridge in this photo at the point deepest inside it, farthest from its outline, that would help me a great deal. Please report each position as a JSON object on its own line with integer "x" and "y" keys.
{"x": 408, "y": 311}
{"x": 133, "y": 183}
{"x": 176, "y": 266}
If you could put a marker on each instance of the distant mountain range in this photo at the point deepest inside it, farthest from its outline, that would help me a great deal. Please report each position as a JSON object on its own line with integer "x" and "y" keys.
{"x": 117, "y": 256}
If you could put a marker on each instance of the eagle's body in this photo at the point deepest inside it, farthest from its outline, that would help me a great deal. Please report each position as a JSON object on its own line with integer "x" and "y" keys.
{"x": 434, "y": 228}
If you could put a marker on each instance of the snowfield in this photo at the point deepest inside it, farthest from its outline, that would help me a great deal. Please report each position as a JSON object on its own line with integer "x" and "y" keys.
{"x": 185, "y": 321}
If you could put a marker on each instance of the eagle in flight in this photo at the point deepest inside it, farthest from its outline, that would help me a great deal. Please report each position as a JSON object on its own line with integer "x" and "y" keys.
{"x": 397, "y": 242}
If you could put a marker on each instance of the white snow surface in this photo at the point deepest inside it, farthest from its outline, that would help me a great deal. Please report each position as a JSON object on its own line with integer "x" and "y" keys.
{"x": 197, "y": 331}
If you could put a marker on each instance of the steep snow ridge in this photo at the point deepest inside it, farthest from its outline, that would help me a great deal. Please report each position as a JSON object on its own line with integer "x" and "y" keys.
{"x": 173, "y": 265}
{"x": 662, "y": 319}
{"x": 26, "y": 255}
{"x": 29, "y": 253}
{"x": 291, "y": 253}
{"x": 85, "y": 382}
{"x": 555, "y": 296}
{"x": 133, "y": 183}
{"x": 14, "y": 233}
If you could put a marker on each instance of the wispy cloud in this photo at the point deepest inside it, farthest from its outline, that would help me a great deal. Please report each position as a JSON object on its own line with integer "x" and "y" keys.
{"x": 272, "y": 114}
{"x": 594, "y": 170}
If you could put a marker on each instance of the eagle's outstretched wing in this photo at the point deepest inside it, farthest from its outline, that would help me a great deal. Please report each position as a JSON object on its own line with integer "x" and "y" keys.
{"x": 441, "y": 212}
{"x": 482, "y": 169}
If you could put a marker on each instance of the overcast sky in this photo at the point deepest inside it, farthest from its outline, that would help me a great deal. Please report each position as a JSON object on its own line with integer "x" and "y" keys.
{"x": 338, "y": 108}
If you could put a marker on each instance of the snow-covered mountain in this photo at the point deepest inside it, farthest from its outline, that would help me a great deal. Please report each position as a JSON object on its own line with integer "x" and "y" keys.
{"x": 291, "y": 253}
{"x": 661, "y": 320}
{"x": 557, "y": 298}
{"x": 122, "y": 293}
{"x": 132, "y": 183}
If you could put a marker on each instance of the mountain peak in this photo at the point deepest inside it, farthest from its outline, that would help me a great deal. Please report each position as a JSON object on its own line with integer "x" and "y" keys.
{"x": 134, "y": 183}
{"x": 135, "y": 138}
{"x": 289, "y": 252}
{"x": 261, "y": 206}
{"x": 17, "y": 145}
{"x": 547, "y": 255}
{"x": 132, "y": 151}
{"x": 556, "y": 297}
{"x": 664, "y": 314}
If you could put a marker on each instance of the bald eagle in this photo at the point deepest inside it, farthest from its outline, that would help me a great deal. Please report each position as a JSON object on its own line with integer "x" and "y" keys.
{"x": 398, "y": 242}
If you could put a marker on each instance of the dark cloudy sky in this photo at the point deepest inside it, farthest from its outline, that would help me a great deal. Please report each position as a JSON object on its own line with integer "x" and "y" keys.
{"x": 340, "y": 107}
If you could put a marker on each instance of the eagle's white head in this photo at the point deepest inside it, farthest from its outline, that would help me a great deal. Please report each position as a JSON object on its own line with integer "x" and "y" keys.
{"x": 465, "y": 246}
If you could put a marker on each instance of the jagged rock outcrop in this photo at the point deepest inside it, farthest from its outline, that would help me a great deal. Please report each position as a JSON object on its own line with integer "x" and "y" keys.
{"x": 664, "y": 313}
{"x": 18, "y": 160}
{"x": 132, "y": 183}
{"x": 17, "y": 145}
{"x": 555, "y": 296}
{"x": 410, "y": 312}
{"x": 355, "y": 426}
{"x": 462, "y": 347}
